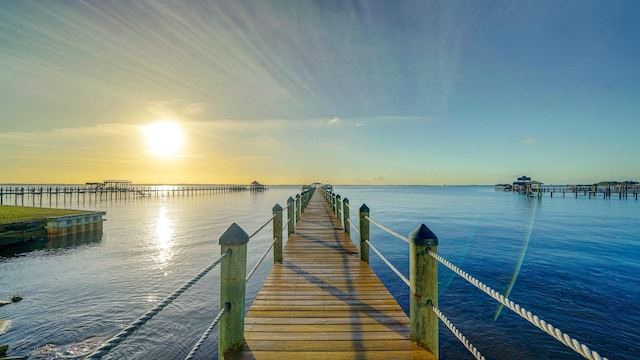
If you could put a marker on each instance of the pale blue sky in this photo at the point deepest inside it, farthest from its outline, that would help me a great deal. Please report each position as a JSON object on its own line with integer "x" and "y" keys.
{"x": 371, "y": 92}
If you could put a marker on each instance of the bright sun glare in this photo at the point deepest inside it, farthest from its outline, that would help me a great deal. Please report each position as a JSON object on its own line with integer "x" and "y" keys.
{"x": 164, "y": 138}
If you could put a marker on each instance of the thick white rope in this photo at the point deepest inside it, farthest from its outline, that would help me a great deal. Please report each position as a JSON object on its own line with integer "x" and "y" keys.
{"x": 388, "y": 230}
{"x": 463, "y": 339}
{"x": 353, "y": 227}
{"x": 123, "y": 334}
{"x": 406, "y": 281}
{"x": 262, "y": 227}
{"x": 567, "y": 340}
{"x": 260, "y": 261}
{"x": 207, "y": 332}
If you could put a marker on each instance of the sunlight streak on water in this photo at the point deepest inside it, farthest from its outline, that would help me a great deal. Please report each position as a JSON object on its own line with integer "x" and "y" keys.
{"x": 164, "y": 240}
{"x": 525, "y": 245}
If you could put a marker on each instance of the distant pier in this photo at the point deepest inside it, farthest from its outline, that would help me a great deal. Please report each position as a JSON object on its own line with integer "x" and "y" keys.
{"x": 621, "y": 190}
{"x": 108, "y": 190}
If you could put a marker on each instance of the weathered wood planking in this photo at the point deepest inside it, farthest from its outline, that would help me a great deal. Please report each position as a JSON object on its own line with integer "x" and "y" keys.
{"x": 322, "y": 302}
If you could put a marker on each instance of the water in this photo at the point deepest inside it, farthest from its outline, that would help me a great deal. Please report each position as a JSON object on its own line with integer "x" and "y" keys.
{"x": 575, "y": 259}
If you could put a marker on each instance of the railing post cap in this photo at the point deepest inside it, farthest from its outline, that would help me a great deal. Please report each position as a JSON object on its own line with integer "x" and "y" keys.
{"x": 338, "y": 197}
{"x": 234, "y": 235}
{"x": 297, "y": 196}
{"x": 346, "y": 200}
{"x": 364, "y": 208}
{"x": 290, "y": 199}
{"x": 277, "y": 207}
{"x": 423, "y": 236}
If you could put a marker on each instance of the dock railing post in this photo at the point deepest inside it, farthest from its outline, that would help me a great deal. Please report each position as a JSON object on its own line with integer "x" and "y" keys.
{"x": 233, "y": 271}
{"x": 303, "y": 201}
{"x": 364, "y": 233}
{"x": 333, "y": 202}
{"x": 345, "y": 216}
{"x": 277, "y": 234}
{"x": 298, "y": 207}
{"x": 339, "y": 208}
{"x": 423, "y": 283}
{"x": 290, "y": 217}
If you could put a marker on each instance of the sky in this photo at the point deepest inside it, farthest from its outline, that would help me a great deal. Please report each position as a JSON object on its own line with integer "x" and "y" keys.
{"x": 342, "y": 92}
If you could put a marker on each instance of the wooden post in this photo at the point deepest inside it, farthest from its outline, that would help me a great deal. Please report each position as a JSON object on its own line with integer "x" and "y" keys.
{"x": 364, "y": 233}
{"x": 290, "y": 216}
{"x": 233, "y": 271}
{"x": 423, "y": 279}
{"x": 339, "y": 208}
{"x": 333, "y": 202}
{"x": 298, "y": 207}
{"x": 345, "y": 217}
{"x": 277, "y": 234}
{"x": 305, "y": 198}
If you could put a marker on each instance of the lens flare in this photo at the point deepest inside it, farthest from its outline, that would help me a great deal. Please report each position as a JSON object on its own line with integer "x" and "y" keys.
{"x": 525, "y": 245}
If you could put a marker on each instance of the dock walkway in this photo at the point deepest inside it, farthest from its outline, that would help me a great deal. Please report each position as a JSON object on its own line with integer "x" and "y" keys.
{"x": 323, "y": 302}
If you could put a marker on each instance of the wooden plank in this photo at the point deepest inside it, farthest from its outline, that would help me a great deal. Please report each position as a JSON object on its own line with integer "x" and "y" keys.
{"x": 325, "y": 314}
{"x": 415, "y": 354}
{"x": 328, "y": 321}
{"x": 340, "y": 345}
{"x": 332, "y": 328}
{"x": 323, "y": 302}
{"x": 322, "y": 336}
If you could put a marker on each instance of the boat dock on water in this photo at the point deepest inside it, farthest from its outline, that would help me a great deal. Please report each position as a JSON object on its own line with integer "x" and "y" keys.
{"x": 533, "y": 188}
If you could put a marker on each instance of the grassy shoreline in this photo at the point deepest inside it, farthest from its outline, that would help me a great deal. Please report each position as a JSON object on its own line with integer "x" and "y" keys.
{"x": 14, "y": 214}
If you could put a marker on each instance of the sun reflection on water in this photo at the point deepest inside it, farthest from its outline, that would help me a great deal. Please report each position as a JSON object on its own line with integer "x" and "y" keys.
{"x": 164, "y": 240}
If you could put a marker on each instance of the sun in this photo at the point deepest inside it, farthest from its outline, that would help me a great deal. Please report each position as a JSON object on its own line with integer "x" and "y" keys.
{"x": 164, "y": 138}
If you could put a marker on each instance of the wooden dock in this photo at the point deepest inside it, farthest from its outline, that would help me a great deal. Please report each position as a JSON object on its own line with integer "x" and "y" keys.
{"x": 323, "y": 302}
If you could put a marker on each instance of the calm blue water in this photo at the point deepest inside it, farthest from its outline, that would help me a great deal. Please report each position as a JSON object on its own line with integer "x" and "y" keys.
{"x": 577, "y": 259}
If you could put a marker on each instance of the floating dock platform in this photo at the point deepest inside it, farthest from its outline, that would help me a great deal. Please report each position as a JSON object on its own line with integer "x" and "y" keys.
{"x": 51, "y": 226}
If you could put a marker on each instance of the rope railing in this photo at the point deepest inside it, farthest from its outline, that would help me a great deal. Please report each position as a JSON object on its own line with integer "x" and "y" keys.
{"x": 207, "y": 332}
{"x": 123, "y": 334}
{"x": 262, "y": 227}
{"x": 463, "y": 339}
{"x": 228, "y": 305}
{"x": 389, "y": 231}
{"x": 355, "y": 228}
{"x": 472, "y": 349}
{"x": 567, "y": 340}
{"x": 389, "y": 264}
{"x": 264, "y": 255}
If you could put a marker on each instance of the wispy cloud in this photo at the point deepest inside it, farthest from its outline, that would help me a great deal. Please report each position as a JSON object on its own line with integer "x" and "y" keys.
{"x": 530, "y": 141}
{"x": 334, "y": 121}
{"x": 194, "y": 109}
